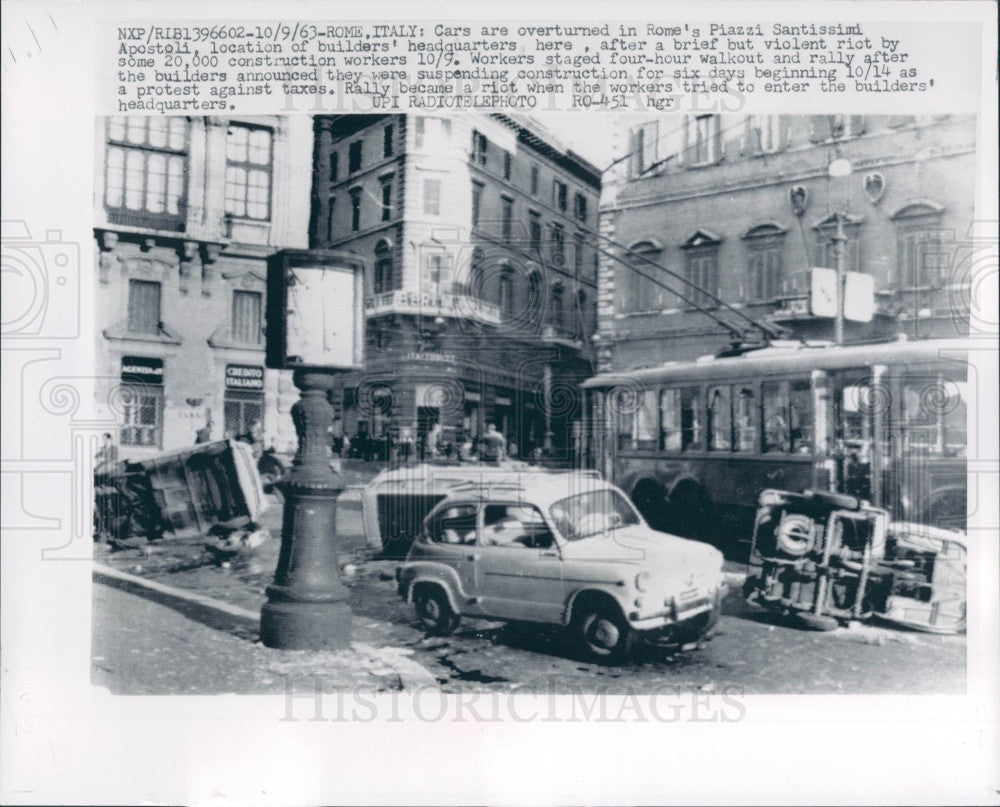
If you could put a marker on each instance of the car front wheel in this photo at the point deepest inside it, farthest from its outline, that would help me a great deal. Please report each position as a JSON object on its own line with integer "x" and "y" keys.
{"x": 603, "y": 634}
{"x": 435, "y": 612}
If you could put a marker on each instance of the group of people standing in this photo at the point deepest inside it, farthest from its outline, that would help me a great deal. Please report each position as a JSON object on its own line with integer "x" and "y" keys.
{"x": 406, "y": 447}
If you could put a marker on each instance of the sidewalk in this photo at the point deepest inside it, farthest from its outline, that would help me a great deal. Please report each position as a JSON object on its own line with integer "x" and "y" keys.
{"x": 147, "y": 597}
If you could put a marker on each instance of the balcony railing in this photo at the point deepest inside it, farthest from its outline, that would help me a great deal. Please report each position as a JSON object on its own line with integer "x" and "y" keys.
{"x": 445, "y": 304}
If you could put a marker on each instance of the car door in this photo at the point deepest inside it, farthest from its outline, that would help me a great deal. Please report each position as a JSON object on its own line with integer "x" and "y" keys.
{"x": 452, "y": 534}
{"x": 518, "y": 568}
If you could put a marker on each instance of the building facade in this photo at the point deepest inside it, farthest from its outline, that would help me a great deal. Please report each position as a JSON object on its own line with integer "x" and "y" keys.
{"x": 187, "y": 212}
{"x": 743, "y": 207}
{"x": 481, "y": 283}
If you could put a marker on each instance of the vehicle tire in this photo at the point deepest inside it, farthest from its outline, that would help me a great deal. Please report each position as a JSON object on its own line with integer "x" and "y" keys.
{"x": 803, "y": 619}
{"x": 603, "y": 634}
{"x": 687, "y": 512}
{"x": 434, "y": 611}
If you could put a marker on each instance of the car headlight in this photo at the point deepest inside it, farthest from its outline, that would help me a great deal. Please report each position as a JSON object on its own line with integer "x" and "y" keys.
{"x": 642, "y": 581}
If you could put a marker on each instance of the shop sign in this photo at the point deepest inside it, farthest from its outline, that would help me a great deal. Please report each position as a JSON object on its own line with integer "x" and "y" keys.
{"x": 142, "y": 370}
{"x": 244, "y": 376}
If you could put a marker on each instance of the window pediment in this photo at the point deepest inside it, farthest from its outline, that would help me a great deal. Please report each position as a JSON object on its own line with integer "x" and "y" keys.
{"x": 830, "y": 221}
{"x": 701, "y": 238}
{"x": 767, "y": 229}
{"x": 918, "y": 209}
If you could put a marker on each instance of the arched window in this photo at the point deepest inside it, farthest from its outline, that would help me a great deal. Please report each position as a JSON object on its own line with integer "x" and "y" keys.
{"x": 918, "y": 256}
{"x": 506, "y": 291}
{"x": 384, "y": 279}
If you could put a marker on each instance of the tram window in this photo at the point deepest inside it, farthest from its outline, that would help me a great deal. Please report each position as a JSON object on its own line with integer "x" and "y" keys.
{"x": 646, "y": 422}
{"x": 745, "y": 420}
{"x": 800, "y": 417}
{"x": 691, "y": 439}
{"x": 626, "y": 421}
{"x": 934, "y": 414}
{"x": 670, "y": 420}
{"x": 774, "y": 395}
{"x": 720, "y": 425}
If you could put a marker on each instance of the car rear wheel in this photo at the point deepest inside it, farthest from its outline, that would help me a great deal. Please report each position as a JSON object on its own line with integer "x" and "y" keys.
{"x": 603, "y": 634}
{"x": 434, "y": 611}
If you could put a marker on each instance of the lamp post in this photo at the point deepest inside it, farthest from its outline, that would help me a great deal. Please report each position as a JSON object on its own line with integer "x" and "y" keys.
{"x": 314, "y": 327}
{"x": 840, "y": 167}
{"x": 839, "y": 239}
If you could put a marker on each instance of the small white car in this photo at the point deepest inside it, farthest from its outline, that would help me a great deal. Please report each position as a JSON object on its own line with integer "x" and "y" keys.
{"x": 566, "y": 549}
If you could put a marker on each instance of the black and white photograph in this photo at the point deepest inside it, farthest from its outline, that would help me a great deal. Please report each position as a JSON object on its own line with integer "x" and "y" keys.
{"x": 572, "y": 394}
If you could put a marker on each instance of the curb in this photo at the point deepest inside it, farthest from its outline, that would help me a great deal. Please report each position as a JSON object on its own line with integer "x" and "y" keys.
{"x": 207, "y": 610}
{"x": 246, "y": 624}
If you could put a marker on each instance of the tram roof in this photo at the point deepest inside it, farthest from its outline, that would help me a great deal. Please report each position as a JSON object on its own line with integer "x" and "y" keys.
{"x": 791, "y": 356}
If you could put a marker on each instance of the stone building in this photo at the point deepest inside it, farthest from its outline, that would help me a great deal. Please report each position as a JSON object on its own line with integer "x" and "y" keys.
{"x": 187, "y": 211}
{"x": 481, "y": 288}
{"x": 743, "y": 206}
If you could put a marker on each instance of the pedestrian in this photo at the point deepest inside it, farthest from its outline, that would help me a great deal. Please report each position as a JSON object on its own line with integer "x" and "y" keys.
{"x": 108, "y": 452}
{"x": 204, "y": 434}
{"x": 432, "y": 441}
{"x": 406, "y": 445}
{"x": 494, "y": 444}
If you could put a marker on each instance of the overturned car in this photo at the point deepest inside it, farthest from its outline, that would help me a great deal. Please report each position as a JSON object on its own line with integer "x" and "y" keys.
{"x": 823, "y": 558}
{"x": 193, "y": 492}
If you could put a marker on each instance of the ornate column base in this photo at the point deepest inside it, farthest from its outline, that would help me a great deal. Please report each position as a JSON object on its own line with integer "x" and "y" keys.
{"x": 307, "y": 605}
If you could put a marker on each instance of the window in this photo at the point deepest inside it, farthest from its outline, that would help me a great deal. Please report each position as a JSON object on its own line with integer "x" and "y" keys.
{"x": 419, "y": 132}
{"x": 506, "y": 292}
{"x": 454, "y": 525}
{"x": 479, "y": 147}
{"x": 643, "y": 148}
{"x": 387, "y": 140}
{"x": 670, "y": 420}
{"x": 477, "y": 274}
{"x": 386, "y": 199}
{"x": 145, "y": 173}
{"x": 334, "y": 166}
{"x": 720, "y": 423}
{"x": 556, "y": 313}
{"x": 354, "y": 157}
{"x": 745, "y": 419}
{"x": 701, "y": 270}
{"x": 330, "y": 220}
{"x": 919, "y": 257}
{"x": 143, "y": 306}
{"x": 506, "y": 165}
{"x": 247, "y": 327}
{"x": 248, "y": 172}
{"x": 580, "y": 206}
{"x": 432, "y": 197}
{"x": 640, "y": 291}
{"x": 356, "y": 209}
{"x": 774, "y": 397}
{"x": 837, "y": 127}
{"x": 702, "y": 141}
{"x": 559, "y": 193}
{"x": 645, "y": 434}
{"x": 558, "y": 243}
{"x": 515, "y": 526}
{"x": 534, "y": 180}
{"x": 578, "y": 254}
{"x": 765, "y": 262}
{"x": 437, "y": 267}
{"x": 142, "y": 417}
{"x": 934, "y": 416}
{"x": 506, "y": 218}
{"x": 535, "y": 232}
{"x": 477, "y": 202}
{"x": 241, "y": 411}
{"x": 800, "y": 410}
{"x": 765, "y": 134}
{"x": 383, "y": 280}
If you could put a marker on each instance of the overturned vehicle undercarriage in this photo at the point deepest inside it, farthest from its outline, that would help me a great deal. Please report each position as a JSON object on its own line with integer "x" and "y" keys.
{"x": 822, "y": 558}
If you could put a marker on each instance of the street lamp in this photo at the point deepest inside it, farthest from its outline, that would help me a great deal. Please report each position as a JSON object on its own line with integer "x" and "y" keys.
{"x": 315, "y": 328}
{"x": 839, "y": 168}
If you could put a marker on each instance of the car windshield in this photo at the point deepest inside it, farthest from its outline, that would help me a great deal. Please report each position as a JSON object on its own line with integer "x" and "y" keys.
{"x": 592, "y": 513}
